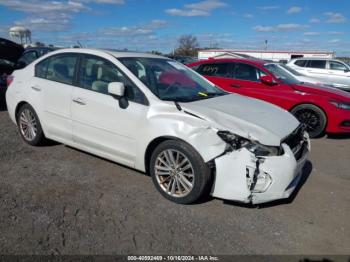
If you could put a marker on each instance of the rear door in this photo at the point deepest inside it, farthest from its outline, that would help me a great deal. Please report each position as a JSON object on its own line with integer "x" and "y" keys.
{"x": 317, "y": 69}
{"x": 53, "y": 83}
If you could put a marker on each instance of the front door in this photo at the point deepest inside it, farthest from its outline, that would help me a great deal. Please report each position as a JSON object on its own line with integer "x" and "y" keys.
{"x": 338, "y": 73}
{"x": 100, "y": 125}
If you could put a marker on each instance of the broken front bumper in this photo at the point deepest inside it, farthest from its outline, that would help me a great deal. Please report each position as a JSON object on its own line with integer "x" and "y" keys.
{"x": 240, "y": 173}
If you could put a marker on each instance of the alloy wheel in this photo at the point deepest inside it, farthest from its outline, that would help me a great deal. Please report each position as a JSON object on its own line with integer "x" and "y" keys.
{"x": 310, "y": 118}
{"x": 28, "y": 125}
{"x": 174, "y": 173}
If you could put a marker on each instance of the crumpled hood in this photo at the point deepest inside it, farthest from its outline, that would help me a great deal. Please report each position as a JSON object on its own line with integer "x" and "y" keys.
{"x": 331, "y": 92}
{"x": 246, "y": 117}
{"x": 10, "y": 51}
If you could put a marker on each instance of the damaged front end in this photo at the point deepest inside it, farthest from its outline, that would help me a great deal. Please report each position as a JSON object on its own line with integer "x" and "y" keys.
{"x": 254, "y": 173}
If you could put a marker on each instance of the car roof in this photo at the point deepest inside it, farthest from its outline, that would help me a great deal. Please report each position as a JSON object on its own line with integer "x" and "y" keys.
{"x": 312, "y": 58}
{"x": 116, "y": 54}
{"x": 41, "y": 48}
{"x": 256, "y": 62}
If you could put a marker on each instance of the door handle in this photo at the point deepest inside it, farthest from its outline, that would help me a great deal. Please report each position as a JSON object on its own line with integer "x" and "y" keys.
{"x": 36, "y": 88}
{"x": 79, "y": 101}
{"x": 235, "y": 85}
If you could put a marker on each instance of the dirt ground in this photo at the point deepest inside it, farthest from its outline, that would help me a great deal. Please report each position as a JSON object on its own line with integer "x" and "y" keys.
{"x": 58, "y": 200}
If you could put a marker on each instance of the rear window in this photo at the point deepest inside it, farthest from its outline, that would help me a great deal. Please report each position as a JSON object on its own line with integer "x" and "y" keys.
{"x": 321, "y": 64}
{"x": 300, "y": 63}
{"x": 41, "y": 68}
{"x": 214, "y": 69}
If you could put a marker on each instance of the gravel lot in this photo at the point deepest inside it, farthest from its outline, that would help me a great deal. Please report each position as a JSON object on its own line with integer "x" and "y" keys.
{"x": 58, "y": 200}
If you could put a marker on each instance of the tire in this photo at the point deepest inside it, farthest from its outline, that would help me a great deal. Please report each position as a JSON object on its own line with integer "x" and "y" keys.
{"x": 188, "y": 180}
{"x": 31, "y": 133}
{"x": 313, "y": 117}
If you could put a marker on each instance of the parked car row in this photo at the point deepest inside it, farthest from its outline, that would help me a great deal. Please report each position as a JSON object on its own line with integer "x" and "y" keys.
{"x": 321, "y": 109}
{"x": 156, "y": 115}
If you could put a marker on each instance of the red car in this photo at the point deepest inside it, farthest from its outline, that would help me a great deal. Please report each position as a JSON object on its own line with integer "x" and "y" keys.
{"x": 322, "y": 109}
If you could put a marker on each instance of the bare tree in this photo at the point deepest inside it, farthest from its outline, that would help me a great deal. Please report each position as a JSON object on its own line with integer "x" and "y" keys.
{"x": 188, "y": 46}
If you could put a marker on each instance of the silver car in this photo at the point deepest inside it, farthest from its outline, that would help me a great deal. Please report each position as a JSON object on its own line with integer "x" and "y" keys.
{"x": 326, "y": 70}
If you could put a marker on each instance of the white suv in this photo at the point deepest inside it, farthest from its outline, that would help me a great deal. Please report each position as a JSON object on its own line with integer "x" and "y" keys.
{"x": 154, "y": 114}
{"x": 332, "y": 71}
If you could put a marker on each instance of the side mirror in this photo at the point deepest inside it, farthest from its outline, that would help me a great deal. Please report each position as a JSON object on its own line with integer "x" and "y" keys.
{"x": 346, "y": 70}
{"x": 117, "y": 90}
{"x": 268, "y": 80}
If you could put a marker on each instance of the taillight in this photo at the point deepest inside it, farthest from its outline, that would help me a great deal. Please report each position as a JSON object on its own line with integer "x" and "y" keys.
{"x": 9, "y": 80}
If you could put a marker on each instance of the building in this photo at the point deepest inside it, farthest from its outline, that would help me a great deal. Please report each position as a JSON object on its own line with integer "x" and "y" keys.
{"x": 21, "y": 35}
{"x": 278, "y": 56}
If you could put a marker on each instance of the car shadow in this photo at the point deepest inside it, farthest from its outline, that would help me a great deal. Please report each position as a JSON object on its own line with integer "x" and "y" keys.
{"x": 3, "y": 106}
{"x": 338, "y": 136}
{"x": 107, "y": 160}
{"x": 305, "y": 175}
{"x": 307, "y": 170}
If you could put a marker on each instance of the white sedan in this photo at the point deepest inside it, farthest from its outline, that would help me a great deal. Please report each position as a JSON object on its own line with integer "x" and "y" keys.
{"x": 158, "y": 116}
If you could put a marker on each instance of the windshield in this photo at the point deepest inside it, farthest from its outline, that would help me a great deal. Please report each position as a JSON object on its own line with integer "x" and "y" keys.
{"x": 169, "y": 80}
{"x": 281, "y": 74}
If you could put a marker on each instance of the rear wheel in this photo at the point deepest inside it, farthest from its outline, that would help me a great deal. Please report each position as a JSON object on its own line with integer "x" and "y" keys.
{"x": 313, "y": 117}
{"x": 29, "y": 126}
{"x": 179, "y": 172}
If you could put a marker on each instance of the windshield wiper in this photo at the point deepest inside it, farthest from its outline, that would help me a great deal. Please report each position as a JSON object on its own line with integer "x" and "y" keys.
{"x": 179, "y": 99}
{"x": 209, "y": 95}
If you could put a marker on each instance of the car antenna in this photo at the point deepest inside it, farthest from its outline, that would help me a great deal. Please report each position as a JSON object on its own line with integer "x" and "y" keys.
{"x": 177, "y": 106}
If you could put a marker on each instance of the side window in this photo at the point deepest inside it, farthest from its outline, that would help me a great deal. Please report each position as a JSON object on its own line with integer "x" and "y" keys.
{"x": 214, "y": 69}
{"x": 320, "y": 64}
{"x": 247, "y": 72}
{"x": 96, "y": 73}
{"x": 41, "y": 68}
{"x": 61, "y": 68}
{"x": 337, "y": 66}
{"x": 300, "y": 63}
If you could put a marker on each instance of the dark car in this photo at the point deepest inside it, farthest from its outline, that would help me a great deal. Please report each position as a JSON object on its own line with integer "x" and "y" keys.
{"x": 10, "y": 52}
{"x": 33, "y": 53}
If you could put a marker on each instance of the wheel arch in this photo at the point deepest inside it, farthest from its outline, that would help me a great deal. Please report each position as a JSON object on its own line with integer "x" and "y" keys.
{"x": 316, "y": 105}
{"x": 310, "y": 103}
{"x": 153, "y": 144}
{"x": 19, "y": 105}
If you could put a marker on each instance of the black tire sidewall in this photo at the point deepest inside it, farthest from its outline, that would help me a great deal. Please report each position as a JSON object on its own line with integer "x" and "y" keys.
{"x": 322, "y": 117}
{"x": 39, "y": 138}
{"x": 201, "y": 171}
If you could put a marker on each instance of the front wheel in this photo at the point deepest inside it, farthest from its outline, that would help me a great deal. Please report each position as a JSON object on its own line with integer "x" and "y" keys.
{"x": 313, "y": 117}
{"x": 179, "y": 172}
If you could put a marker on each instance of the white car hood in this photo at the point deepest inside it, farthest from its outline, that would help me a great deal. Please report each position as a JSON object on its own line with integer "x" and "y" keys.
{"x": 246, "y": 117}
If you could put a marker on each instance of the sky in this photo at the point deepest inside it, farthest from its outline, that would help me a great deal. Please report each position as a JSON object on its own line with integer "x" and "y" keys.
{"x": 145, "y": 25}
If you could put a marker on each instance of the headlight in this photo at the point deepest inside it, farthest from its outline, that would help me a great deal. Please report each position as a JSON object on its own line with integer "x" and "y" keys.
{"x": 341, "y": 105}
{"x": 236, "y": 142}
